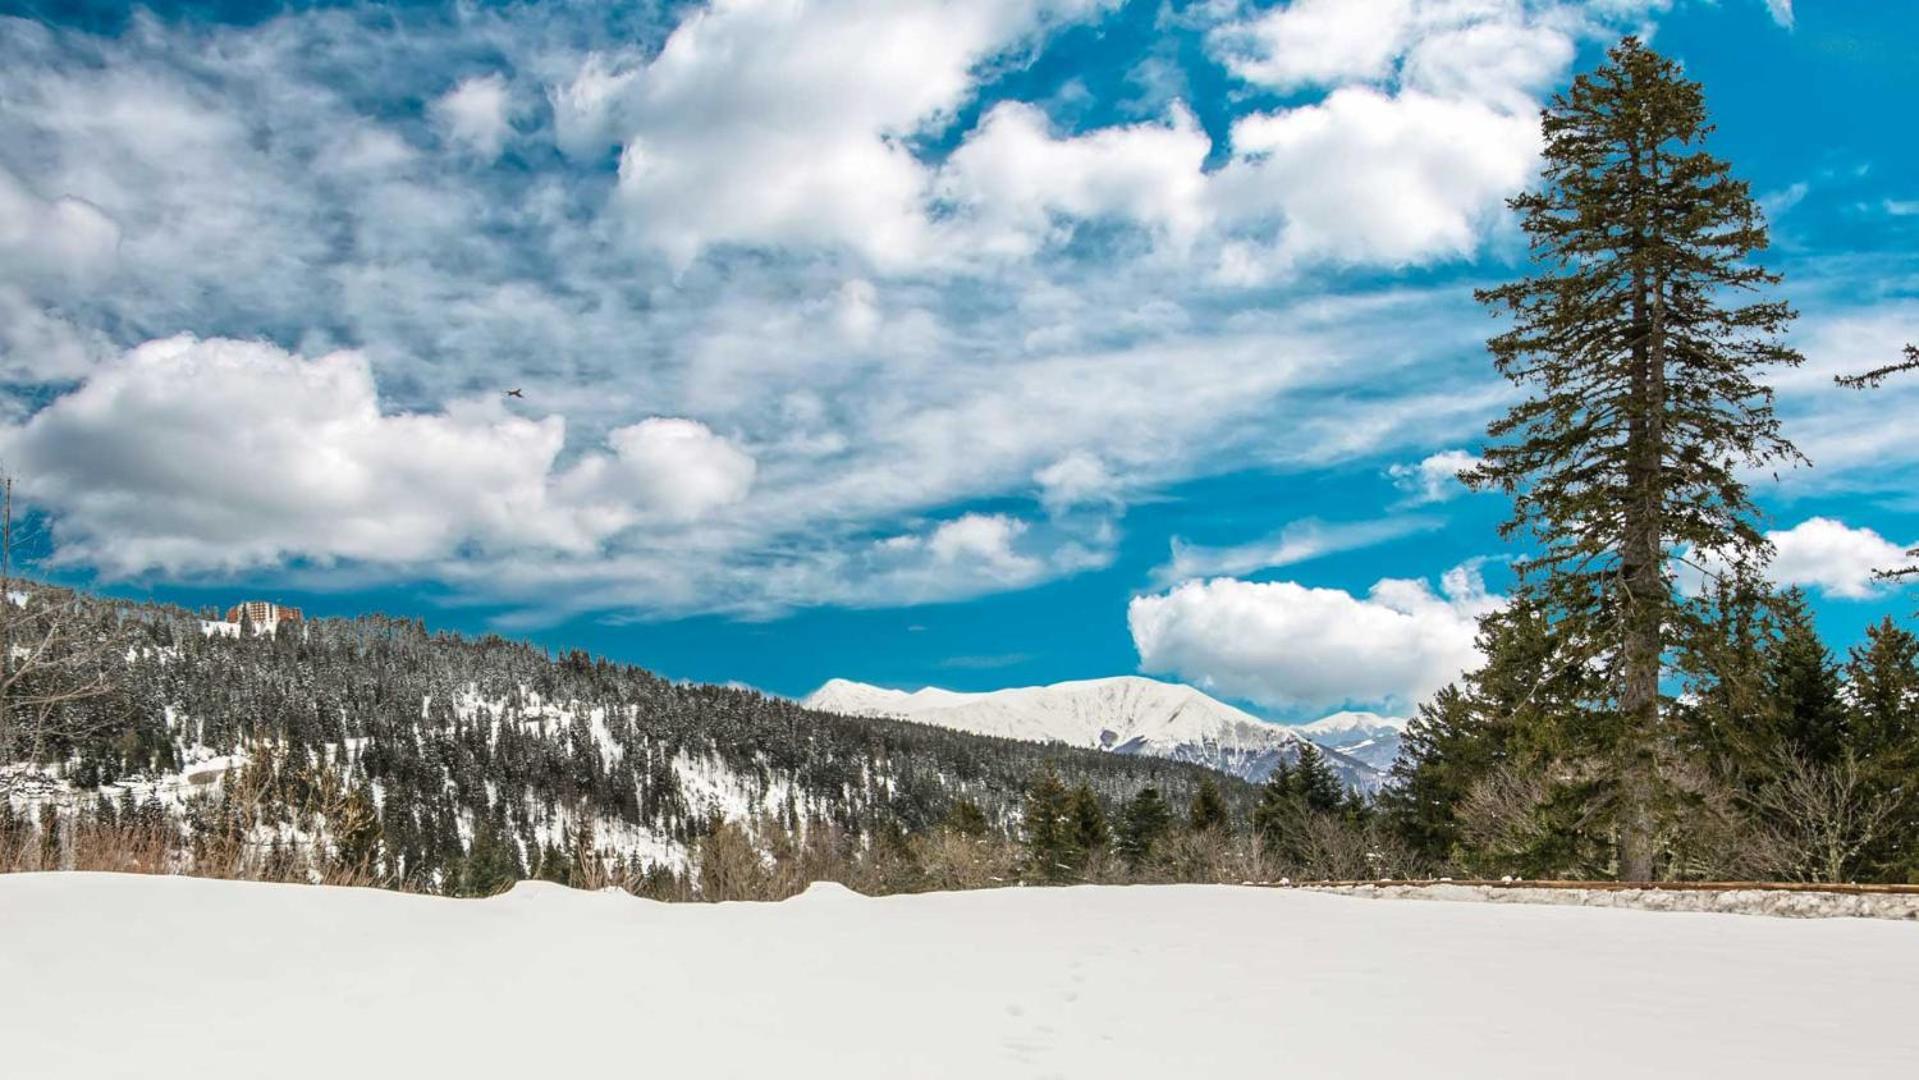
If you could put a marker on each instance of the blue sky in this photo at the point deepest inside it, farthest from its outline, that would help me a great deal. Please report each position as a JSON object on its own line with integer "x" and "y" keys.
{"x": 911, "y": 342}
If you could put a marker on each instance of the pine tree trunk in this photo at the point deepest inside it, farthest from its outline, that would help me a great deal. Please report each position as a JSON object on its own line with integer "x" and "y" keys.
{"x": 1643, "y": 616}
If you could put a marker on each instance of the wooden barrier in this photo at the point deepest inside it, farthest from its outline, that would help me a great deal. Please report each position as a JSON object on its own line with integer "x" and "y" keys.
{"x": 1614, "y": 886}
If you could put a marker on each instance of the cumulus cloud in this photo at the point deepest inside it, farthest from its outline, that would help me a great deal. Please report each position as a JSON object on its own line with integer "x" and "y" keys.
{"x": 1835, "y": 558}
{"x": 778, "y": 124}
{"x": 665, "y": 466}
{"x": 1434, "y": 478}
{"x": 191, "y": 455}
{"x": 1318, "y": 42}
{"x": 476, "y": 115}
{"x": 1290, "y": 646}
{"x": 1020, "y": 183}
{"x": 1367, "y": 177}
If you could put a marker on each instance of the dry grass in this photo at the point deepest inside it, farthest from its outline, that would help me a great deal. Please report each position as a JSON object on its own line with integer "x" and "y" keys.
{"x": 87, "y": 843}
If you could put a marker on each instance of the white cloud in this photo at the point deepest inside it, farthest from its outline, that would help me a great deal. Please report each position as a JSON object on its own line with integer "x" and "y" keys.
{"x": 1318, "y": 42}
{"x": 1834, "y": 558}
{"x": 585, "y": 108}
{"x": 1370, "y": 178}
{"x": 776, "y": 124}
{"x": 1078, "y": 479}
{"x": 1288, "y": 646}
{"x": 674, "y": 468}
{"x": 476, "y": 115}
{"x": 1434, "y": 478}
{"x": 1819, "y": 553}
{"x": 1018, "y": 182}
{"x": 1781, "y": 11}
{"x": 1296, "y": 543}
{"x": 63, "y": 236}
{"x": 1778, "y": 203}
{"x": 189, "y": 455}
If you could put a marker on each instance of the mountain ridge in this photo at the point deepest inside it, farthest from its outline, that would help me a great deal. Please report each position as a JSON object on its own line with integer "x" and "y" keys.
{"x": 1123, "y": 714}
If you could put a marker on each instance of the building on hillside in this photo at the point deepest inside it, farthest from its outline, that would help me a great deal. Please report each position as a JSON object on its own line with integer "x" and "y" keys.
{"x": 262, "y": 613}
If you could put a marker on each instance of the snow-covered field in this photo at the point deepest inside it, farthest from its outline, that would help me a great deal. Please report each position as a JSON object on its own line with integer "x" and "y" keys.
{"x": 115, "y": 976}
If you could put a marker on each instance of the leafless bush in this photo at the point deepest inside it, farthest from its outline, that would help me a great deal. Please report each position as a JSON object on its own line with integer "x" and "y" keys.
{"x": 731, "y": 868}
{"x": 1328, "y": 847}
{"x": 1821, "y": 819}
{"x": 1715, "y": 838}
{"x": 950, "y": 860}
{"x": 1209, "y": 857}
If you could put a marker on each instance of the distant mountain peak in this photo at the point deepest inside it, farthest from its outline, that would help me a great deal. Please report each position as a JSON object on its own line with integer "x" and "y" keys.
{"x": 1127, "y": 714}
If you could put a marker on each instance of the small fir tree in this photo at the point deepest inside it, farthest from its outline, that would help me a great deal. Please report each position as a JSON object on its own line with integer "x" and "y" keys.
{"x": 1048, "y": 829}
{"x": 1147, "y": 818}
{"x": 1208, "y": 810}
{"x": 1092, "y": 837}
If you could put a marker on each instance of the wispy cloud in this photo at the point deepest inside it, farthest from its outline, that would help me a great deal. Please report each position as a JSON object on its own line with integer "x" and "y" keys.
{"x": 1296, "y": 543}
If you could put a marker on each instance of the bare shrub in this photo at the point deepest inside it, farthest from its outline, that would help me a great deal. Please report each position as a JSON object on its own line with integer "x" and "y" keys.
{"x": 731, "y": 868}
{"x": 1821, "y": 819}
{"x": 951, "y": 860}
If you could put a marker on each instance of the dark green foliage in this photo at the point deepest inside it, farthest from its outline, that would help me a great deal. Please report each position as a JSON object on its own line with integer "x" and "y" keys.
{"x": 1147, "y": 818}
{"x": 492, "y": 865}
{"x": 1803, "y": 715}
{"x": 1207, "y": 813}
{"x": 1048, "y": 827}
{"x": 967, "y": 819}
{"x": 1446, "y": 749}
{"x": 1882, "y": 684}
{"x": 1295, "y": 793}
{"x": 1314, "y": 784}
{"x": 1092, "y": 838}
{"x": 1638, "y": 356}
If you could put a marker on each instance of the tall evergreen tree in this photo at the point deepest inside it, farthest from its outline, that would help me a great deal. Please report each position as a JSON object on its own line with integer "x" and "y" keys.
{"x": 1279, "y": 807}
{"x": 1725, "y": 666}
{"x": 1803, "y": 712}
{"x": 1092, "y": 838}
{"x": 1049, "y": 828}
{"x": 1882, "y": 688}
{"x": 1147, "y": 818}
{"x": 1316, "y": 785}
{"x": 1643, "y": 402}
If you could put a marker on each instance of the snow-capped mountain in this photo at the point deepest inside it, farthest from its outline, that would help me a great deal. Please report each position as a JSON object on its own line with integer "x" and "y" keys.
{"x": 1127, "y": 714}
{"x": 1364, "y": 736}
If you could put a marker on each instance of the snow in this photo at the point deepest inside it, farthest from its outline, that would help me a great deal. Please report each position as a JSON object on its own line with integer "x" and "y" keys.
{"x": 1125, "y": 714}
{"x": 1364, "y": 736}
{"x": 1341, "y": 724}
{"x": 109, "y": 975}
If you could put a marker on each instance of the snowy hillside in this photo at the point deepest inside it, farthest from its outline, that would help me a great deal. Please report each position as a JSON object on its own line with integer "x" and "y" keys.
{"x": 175, "y": 978}
{"x": 453, "y": 753}
{"x": 1362, "y": 736}
{"x": 1126, "y": 715}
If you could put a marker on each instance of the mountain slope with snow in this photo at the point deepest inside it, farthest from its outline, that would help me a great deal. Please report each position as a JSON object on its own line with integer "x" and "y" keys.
{"x": 1362, "y": 736}
{"x": 184, "y": 979}
{"x": 1127, "y": 714}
